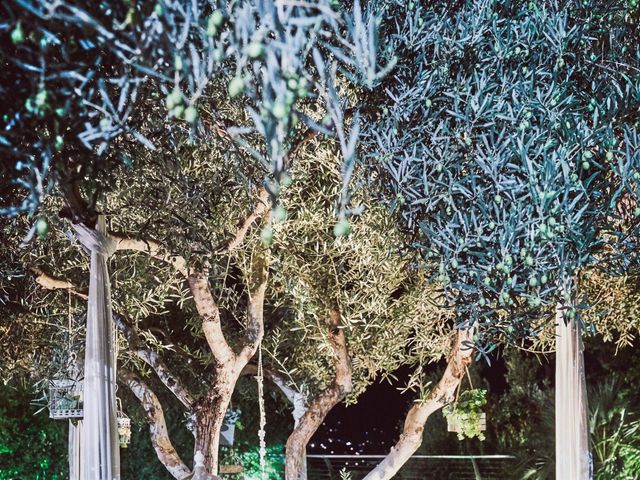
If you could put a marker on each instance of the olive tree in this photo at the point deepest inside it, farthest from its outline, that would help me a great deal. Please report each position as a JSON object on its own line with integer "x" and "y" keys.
{"x": 92, "y": 84}
{"x": 356, "y": 310}
{"x": 504, "y": 137}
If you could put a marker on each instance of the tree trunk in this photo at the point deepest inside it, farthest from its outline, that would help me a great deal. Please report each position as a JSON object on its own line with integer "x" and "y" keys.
{"x": 209, "y": 417}
{"x": 442, "y": 393}
{"x": 321, "y": 405}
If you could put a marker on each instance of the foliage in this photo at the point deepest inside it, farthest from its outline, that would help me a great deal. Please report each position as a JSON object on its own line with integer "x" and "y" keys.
{"x": 344, "y": 474}
{"x": 614, "y": 433}
{"x": 389, "y": 312}
{"x": 84, "y": 77}
{"x": 507, "y": 140}
{"x": 614, "y": 310}
{"x": 30, "y": 444}
{"x": 249, "y": 459}
{"x": 465, "y": 413}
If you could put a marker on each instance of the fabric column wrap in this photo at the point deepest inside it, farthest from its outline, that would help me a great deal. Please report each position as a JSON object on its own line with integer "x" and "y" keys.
{"x": 100, "y": 446}
{"x": 573, "y": 459}
{"x": 75, "y": 457}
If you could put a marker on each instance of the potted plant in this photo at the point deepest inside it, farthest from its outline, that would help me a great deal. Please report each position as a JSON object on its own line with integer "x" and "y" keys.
{"x": 465, "y": 417}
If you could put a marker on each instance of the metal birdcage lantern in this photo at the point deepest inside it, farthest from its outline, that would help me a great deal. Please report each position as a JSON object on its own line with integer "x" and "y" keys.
{"x": 124, "y": 426}
{"x": 66, "y": 392}
{"x": 65, "y": 399}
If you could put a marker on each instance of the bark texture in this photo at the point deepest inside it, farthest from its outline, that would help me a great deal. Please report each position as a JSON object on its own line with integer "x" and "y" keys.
{"x": 318, "y": 408}
{"x": 157, "y": 426}
{"x": 443, "y": 393}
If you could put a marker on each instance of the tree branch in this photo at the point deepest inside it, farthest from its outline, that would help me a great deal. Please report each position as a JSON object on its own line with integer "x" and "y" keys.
{"x": 210, "y": 313}
{"x": 255, "y": 310}
{"x": 137, "y": 346}
{"x": 321, "y": 405}
{"x": 264, "y": 200}
{"x": 297, "y": 400}
{"x": 52, "y": 283}
{"x": 151, "y": 358}
{"x": 261, "y": 209}
{"x": 443, "y": 393}
{"x": 157, "y": 425}
{"x": 198, "y": 284}
{"x": 154, "y": 249}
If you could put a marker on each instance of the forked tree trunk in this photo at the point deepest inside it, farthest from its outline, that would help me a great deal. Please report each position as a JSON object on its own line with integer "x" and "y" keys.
{"x": 442, "y": 393}
{"x": 321, "y": 405}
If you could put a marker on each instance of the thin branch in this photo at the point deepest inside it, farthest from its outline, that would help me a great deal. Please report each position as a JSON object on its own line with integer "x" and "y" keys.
{"x": 255, "y": 310}
{"x": 297, "y": 399}
{"x": 157, "y": 425}
{"x": 151, "y": 358}
{"x": 264, "y": 201}
{"x": 321, "y": 404}
{"x": 210, "y": 313}
{"x": 52, "y": 283}
{"x": 154, "y": 249}
{"x": 260, "y": 210}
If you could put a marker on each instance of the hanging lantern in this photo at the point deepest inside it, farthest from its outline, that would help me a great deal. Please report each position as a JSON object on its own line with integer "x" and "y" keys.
{"x": 124, "y": 426}
{"x": 65, "y": 399}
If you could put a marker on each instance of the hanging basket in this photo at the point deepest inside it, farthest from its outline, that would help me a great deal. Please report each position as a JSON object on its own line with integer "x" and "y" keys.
{"x": 65, "y": 399}
{"x": 454, "y": 423}
{"x": 465, "y": 416}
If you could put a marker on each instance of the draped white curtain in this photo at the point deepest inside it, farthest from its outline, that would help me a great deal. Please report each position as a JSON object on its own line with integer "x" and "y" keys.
{"x": 100, "y": 447}
{"x": 75, "y": 458}
{"x": 573, "y": 459}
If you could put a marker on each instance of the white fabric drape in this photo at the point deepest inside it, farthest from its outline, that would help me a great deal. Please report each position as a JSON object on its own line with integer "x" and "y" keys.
{"x": 100, "y": 447}
{"x": 573, "y": 459}
{"x": 75, "y": 457}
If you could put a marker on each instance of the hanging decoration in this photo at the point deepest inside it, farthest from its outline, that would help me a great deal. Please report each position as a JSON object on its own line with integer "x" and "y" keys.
{"x": 100, "y": 452}
{"x": 263, "y": 420}
{"x": 124, "y": 426}
{"x": 465, "y": 416}
{"x": 65, "y": 394}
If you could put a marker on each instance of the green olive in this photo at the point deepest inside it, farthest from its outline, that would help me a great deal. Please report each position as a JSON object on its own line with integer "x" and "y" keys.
{"x": 236, "y": 86}
{"x": 42, "y": 227}
{"x": 191, "y": 114}
{"x": 255, "y": 50}
{"x": 266, "y": 235}
{"x": 280, "y": 213}
{"x": 17, "y": 35}
{"x": 279, "y": 110}
{"x": 342, "y": 228}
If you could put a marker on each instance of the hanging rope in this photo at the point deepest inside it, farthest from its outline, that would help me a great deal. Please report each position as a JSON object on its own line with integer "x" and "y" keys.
{"x": 263, "y": 419}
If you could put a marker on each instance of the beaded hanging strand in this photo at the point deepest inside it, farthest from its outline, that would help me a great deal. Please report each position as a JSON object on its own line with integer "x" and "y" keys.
{"x": 263, "y": 420}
